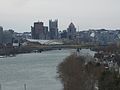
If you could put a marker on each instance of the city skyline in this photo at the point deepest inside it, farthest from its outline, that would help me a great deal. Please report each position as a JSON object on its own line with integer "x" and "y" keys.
{"x": 87, "y": 14}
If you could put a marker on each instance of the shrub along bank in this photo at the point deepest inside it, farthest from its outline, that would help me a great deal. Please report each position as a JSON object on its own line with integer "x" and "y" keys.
{"x": 75, "y": 74}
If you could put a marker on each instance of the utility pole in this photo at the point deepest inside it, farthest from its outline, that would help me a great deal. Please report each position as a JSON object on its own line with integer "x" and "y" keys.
{"x": 0, "y": 87}
{"x": 78, "y": 35}
{"x": 25, "y": 88}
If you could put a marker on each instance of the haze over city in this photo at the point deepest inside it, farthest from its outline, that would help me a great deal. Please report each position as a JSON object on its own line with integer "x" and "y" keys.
{"x": 59, "y": 45}
{"x": 87, "y": 14}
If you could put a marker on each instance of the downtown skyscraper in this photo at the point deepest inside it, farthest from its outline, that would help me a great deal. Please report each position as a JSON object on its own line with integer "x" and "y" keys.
{"x": 53, "y": 28}
{"x": 39, "y": 31}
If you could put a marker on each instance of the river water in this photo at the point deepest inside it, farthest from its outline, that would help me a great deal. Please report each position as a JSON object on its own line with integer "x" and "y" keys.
{"x": 36, "y": 70}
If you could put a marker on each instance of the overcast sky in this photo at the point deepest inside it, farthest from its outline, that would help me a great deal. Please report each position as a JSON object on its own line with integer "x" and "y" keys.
{"x": 87, "y": 14}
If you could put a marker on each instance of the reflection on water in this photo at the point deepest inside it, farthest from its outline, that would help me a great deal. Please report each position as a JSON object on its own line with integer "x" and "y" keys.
{"x": 37, "y": 70}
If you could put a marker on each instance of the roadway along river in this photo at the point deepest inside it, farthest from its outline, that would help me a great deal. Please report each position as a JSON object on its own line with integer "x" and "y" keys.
{"x": 36, "y": 70}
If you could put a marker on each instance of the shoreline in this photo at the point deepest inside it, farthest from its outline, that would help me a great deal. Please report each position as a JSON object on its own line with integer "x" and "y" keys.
{"x": 77, "y": 74}
{"x": 16, "y": 51}
{"x": 31, "y": 51}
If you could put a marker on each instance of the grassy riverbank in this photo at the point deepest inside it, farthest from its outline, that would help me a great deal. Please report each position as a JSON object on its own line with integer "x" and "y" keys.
{"x": 75, "y": 74}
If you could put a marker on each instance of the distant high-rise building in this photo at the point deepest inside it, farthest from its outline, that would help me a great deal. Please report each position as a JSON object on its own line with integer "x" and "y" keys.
{"x": 1, "y": 35}
{"x": 46, "y": 33}
{"x": 71, "y": 31}
{"x": 53, "y": 28}
{"x": 38, "y": 30}
{"x": 8, "y": 36}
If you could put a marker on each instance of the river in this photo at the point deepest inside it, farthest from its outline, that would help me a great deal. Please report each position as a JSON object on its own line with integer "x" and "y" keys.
{"x": 37, "y": 70}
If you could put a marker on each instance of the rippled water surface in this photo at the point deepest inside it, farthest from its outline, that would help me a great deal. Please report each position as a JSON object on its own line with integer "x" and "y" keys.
{"x": 36, "y": 70}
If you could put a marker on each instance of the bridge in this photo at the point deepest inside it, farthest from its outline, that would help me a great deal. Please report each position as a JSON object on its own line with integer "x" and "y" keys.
{"x": 45, "y": 47}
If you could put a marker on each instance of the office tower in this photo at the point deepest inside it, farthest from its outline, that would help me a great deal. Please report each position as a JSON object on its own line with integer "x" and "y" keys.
{"x": 53, "y": 28}
{"x": 71, "y": 32}
{"x": 1, "y": 35}
{"x": 8, "y": 36}
{"x": 46, "y": 33}
{"x": 38, "y": 30}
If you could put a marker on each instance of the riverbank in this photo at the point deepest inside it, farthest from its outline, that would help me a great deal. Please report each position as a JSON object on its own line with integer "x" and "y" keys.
{"x": 75, "y": 74}
{"x": 13, "y": 51}
{"x": 10, "y": 50}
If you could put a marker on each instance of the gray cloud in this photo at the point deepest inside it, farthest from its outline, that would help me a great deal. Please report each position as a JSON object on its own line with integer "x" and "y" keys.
{"x": 20, "y": 14}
